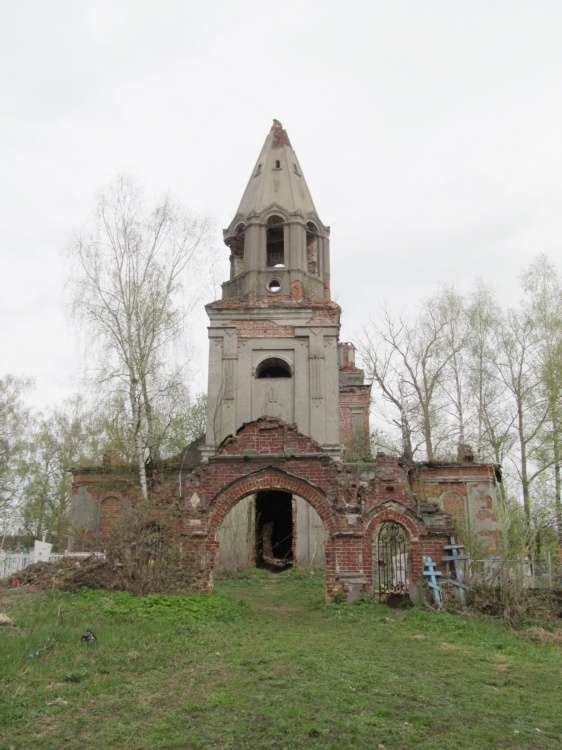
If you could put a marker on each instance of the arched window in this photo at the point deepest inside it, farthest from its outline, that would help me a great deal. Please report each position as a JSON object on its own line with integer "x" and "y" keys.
{"x": 274, "y": 367}
{"x": 275, "y": 243}
{"x": 312, "y": 248}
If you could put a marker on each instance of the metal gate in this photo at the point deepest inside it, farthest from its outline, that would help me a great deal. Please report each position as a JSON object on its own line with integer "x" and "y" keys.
{"x": 390, "y": 557}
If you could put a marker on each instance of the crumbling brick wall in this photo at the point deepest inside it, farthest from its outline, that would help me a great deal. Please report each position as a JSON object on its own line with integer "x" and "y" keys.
{"x": 352, "y": 501}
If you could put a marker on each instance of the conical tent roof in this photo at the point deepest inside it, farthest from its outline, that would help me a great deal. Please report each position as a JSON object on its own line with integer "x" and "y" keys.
{"x": 277, "y": 178}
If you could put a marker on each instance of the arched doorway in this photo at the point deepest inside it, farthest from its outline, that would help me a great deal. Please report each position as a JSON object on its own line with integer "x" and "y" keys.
{"x": 271, "y": 529}
{"x": 391, "y": 574}
{"x": 234, "y": 528}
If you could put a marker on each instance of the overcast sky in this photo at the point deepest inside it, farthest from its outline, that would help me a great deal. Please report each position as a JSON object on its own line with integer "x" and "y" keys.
{"x": 429, "y": 133}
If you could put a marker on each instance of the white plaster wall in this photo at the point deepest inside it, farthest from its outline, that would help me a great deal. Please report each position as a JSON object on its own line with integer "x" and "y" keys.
{"x": 236, "y": 536}
{"x": 311, "y": 536}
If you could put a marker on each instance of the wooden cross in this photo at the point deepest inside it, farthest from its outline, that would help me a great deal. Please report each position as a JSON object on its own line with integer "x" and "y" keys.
{"x": 456, "y": 556}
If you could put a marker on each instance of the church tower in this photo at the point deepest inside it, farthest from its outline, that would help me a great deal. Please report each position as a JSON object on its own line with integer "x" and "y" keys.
{"x": 270, "y": 486}
{"x": 274, "y": 334}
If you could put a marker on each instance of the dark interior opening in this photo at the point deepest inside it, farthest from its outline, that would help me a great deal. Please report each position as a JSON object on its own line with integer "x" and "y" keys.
{"x": 274, "y": 530}
{"x": 273, "y": 368}
{"x": 275, "y": 238}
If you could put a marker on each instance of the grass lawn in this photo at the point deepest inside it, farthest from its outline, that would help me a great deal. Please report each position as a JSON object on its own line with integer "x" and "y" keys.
{"x": 264, "y": 663}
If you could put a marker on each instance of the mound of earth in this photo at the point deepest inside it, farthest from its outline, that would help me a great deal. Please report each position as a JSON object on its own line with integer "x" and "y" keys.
{"x": 67, "y": 574}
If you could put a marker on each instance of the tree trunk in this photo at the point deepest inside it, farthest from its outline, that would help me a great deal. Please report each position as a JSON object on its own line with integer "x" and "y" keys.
{"x": 427, "y": 433}
{"x": 524, "y": 471}
{"x": 558, "y": 501}
{"x": 139, "y": 447}
{"x": 405, "y": 427}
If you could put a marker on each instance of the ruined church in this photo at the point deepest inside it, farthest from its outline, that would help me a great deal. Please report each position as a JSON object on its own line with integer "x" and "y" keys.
{"x": 269, "y": 484}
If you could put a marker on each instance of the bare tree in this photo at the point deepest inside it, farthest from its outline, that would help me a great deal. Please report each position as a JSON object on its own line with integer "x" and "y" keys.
{"x": 464, "y": 369}
{"x": 483, "y": 386}
{"x": 378, "y": 348}
{"x": 543, "y": 288}
{"x": 451, "y": 310}
{"x": 519, "y": 372}
{"x": 408, "y": 360}
{"x": 128, "y": 273}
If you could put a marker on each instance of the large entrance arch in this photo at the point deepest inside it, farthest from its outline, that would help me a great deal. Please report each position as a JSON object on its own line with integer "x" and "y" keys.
{"x": 270, "y": 519}
{"x": 268, "y": 479}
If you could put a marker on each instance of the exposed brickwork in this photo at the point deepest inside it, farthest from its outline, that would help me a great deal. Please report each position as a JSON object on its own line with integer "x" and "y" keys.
{"x": 269, "y": 454}
{"x": 247, "y": 329}
{"x": 297, "y": 291}
{"x": 266, "y": 479}
{"x": 355, "y": 401}
{"x": 325, "y": 316}
{"x": 110, "y": 511}
{"x": 474, "y": 483}
{"x": 453, "y": 505}
{"x": 280, "y": 137}
{"x": 347, "y": 363}
{"x": 268, "y": 436}
{"x": 352, "y": 499}
{"x": 323, "y": 311}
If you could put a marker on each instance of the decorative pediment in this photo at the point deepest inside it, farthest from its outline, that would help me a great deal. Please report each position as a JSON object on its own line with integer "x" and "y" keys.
{"x": 273, "y": 210}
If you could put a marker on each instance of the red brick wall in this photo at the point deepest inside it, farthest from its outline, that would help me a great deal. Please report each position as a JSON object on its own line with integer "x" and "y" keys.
{"x": 453, "y": 505}
{"x": 247, "y": 329}
{"x": 110, "y": 511}
{"x": 270, "y": 454}
{"x": 268, "y": 435}
{"x": 353, "y": 398}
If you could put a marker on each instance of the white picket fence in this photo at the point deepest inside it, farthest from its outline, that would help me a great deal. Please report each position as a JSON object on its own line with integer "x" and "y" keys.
{"x": 10, "y": 564}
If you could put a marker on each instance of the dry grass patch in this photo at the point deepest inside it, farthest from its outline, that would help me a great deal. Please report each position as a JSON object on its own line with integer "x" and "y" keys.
{"x": 540, "y": 635}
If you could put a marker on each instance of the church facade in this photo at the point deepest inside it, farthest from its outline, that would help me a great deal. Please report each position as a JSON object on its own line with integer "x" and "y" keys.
{"x": 269, "y": 484}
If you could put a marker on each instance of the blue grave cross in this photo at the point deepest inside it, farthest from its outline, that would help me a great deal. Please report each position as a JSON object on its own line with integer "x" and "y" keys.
{"x": 432, "y": 576}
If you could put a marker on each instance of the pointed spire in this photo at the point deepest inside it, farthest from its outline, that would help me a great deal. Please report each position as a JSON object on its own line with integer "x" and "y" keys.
{"x": 277, "y": 178}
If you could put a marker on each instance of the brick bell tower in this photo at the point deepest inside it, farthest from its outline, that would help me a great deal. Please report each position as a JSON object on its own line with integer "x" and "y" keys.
{"x": 270, "y": 486}
{"x": 274, "y": 334}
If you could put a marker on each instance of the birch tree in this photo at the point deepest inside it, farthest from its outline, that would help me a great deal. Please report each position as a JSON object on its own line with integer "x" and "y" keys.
{"x": 66, "y": 436}
{"x": 451, "y": 311}
{"x": 15, "y": 424}
{"x": 543, "y": 289}
{"x": 129, "y": 271}
{"x": 519, "y": 374}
